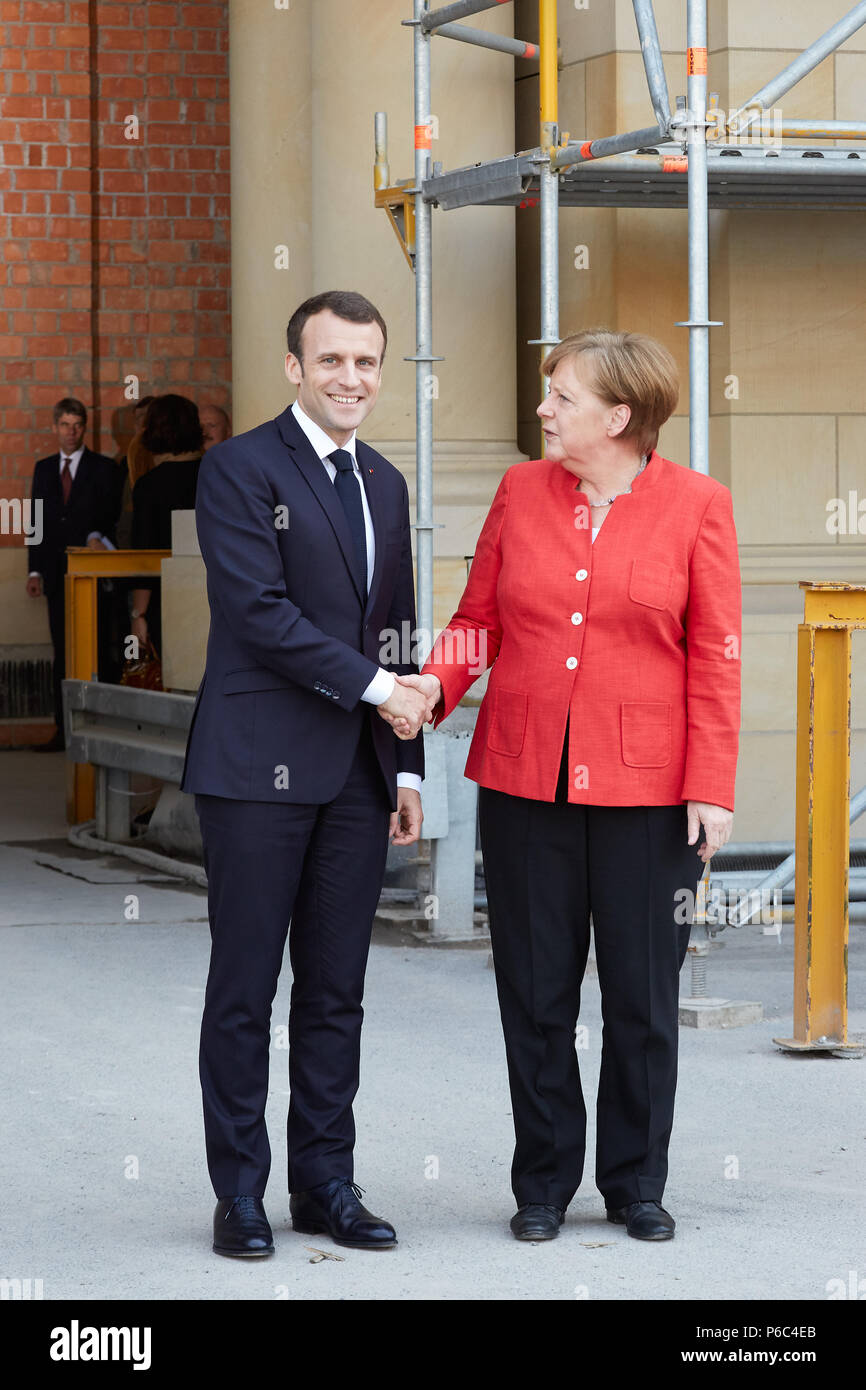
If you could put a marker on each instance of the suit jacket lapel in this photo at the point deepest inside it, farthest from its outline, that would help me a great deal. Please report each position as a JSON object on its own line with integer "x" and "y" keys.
{"x": 313, "y": 471}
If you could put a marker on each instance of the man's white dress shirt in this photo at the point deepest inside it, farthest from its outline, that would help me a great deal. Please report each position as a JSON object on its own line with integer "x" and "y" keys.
{"x": 382, "y": 684}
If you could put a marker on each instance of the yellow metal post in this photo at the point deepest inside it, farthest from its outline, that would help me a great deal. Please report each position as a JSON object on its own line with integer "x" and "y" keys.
{"x": 822, "y": 817}
{"x": 81, "y": 664}
{"x": 548, "y": 80}
{"x": 84, "y": 568}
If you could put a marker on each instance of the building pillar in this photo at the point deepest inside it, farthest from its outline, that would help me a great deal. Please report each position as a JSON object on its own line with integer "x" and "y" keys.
{"x": 272, "y": 238}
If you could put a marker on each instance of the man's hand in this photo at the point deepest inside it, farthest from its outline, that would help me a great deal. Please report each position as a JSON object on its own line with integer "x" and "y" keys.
{"x": 431, "y": 688}
{"x": 405, "y": 710}
{"x": 405, "y": 826}
{"x": 717, "y": 822}
{"x": 34, "y": 585}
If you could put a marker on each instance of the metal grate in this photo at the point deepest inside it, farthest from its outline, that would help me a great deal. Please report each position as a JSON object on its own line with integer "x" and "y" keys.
{"x": 764, "y": 863}
{"x": 25, "y": 689}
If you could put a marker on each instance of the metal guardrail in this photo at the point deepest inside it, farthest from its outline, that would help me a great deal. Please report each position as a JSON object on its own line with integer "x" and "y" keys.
{"x": 118, "y": 730}
{"x": 119, "y": 726}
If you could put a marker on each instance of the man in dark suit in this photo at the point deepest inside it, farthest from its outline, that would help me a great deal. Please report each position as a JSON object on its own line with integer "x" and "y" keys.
{"x": 77, "y": 492}
{"x": 299, "y": 780}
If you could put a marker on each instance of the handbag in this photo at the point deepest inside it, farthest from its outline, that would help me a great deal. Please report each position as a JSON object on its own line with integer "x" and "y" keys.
{"x": 144, "y": 671}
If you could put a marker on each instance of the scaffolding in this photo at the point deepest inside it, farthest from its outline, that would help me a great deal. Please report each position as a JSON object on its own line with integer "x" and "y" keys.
{"x": 695, "y": 157}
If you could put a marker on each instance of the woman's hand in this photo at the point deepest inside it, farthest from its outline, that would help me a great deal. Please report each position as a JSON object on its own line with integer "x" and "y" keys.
{"x": 717, "y": 822}
{"x": 138, "y": 628}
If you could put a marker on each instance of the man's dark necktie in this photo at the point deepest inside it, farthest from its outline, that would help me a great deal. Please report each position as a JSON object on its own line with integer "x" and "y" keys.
{"x": 349, "y": 493}
{"x": 66, "y": 479}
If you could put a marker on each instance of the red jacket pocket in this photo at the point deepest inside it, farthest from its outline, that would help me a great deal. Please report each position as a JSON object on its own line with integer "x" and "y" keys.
{"x": 646, "y": 733}
{"x": 507, "y": 727}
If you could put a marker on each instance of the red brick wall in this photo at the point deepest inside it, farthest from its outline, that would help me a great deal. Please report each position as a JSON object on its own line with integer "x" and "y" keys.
{"x": 115, "y": 250}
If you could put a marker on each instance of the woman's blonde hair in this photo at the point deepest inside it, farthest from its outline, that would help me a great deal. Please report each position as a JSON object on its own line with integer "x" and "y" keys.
{"x": 626, "y": 369}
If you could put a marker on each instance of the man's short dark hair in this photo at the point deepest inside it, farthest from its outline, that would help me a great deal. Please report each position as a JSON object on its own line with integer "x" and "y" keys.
{"x": 70, "y": 406}
{"x": 346, "y": 304}
{"x": 172, "y": 426}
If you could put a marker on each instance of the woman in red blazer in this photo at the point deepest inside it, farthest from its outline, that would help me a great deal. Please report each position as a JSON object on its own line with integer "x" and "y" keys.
{"x": 605, "y": 596}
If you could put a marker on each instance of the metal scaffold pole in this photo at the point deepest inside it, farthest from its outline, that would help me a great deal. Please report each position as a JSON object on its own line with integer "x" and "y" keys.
{"x": 548, "y": 82}
{"x": 423, "y": 358}
{"x": 699, "y": 324}
{"x": 652, "y": 60}
{"x": 796, "y": 70}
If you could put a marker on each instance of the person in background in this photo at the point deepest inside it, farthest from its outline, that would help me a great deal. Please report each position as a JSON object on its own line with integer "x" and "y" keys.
{"x": 134, "y": 465}
{"x": 215, "y": 423}
{"x": 131, "y": 461}
{"x": 173, "y": 436}
{"x": 77, "y": 491}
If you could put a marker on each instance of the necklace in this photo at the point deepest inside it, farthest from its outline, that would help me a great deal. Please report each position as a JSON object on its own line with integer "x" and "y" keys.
{"x": 608, "y": 500}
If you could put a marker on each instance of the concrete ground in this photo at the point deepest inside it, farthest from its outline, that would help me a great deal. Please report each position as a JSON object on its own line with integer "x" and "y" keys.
{"x": 103, "y": 1147}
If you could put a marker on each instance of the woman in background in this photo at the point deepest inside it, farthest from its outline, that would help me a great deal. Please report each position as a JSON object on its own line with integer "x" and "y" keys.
{"x": 172, "y": 435}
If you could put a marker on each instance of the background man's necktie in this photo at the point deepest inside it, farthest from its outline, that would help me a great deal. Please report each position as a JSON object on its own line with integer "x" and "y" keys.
{"x": 65, "y": 479}
{"x": 349, "y": 492}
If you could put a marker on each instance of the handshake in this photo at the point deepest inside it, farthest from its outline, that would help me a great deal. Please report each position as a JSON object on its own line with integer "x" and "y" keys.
{"x": 411, "y": 704}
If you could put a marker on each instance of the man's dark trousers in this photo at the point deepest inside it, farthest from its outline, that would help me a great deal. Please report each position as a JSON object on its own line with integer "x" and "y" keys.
{"x": 320, "y": 866}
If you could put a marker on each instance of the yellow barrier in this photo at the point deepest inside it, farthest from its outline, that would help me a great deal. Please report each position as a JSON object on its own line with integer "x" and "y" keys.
{"x": 832, "y": 611}
{"x": 84, "y": 568}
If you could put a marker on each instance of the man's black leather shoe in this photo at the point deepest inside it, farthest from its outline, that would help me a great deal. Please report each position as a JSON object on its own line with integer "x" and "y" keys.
{"x": 240, "y": 1227}
{"x": 537, "y": 1221}
{"x": 644, "y": 1220}
{"x": 335, "y": 1208}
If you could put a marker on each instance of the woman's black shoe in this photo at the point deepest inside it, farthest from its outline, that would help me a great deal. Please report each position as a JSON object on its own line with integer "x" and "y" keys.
{"x": 537, "y": 1221}
{"x": 644, "y": 1220}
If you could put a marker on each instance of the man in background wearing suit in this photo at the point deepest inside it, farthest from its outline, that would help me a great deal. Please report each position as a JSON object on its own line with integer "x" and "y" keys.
{"x": 78, "y": 493}
{"x": 299, "y": 781}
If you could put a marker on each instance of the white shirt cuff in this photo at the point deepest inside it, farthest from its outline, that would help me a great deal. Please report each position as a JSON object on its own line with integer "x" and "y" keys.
{"x": 409, "y": 779}
{"x": 380, "y": 688}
